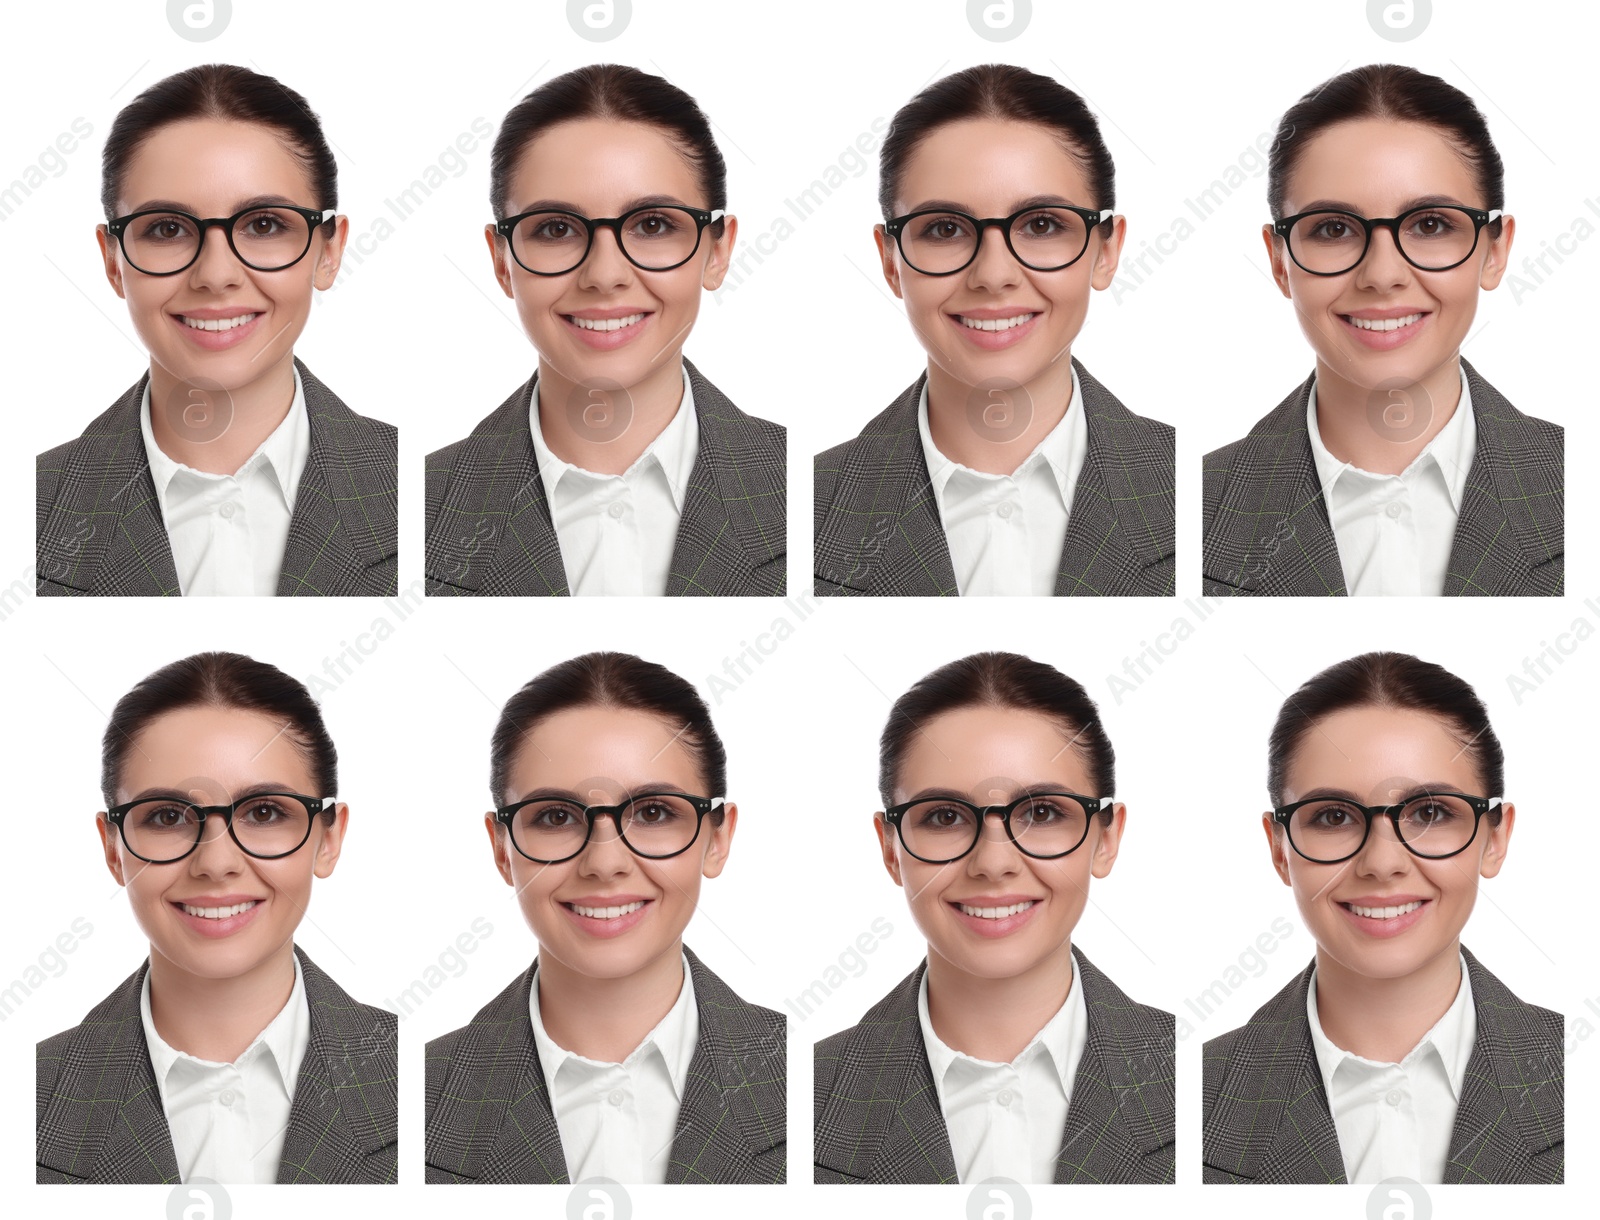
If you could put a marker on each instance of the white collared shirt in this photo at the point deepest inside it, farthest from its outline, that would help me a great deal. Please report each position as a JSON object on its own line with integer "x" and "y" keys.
{"x": 617, "y": 1120}
{"x": 227, "y": 531}
{"x": 617, "y": 531}
{"x": 228, "y": 1120}
{"x": 1395, "y": 1119}
{"x": 1007, "y": 1119}
{"x": 1005, "y": 531}
{"x": 1395, "y": 531}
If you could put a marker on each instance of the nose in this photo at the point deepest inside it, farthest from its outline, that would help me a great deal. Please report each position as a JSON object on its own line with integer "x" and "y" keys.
{"x": 216, "y": 851}
{"x": 993, "y": 265}
{"x": 1383, "y": 264}
{"x": 1383, "y": 852}
{"x": 216, "y": 265}
{"x": 605, "y": 264}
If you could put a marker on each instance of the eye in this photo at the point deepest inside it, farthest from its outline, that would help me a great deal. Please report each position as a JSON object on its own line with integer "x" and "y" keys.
{"x": 553, "y": 229}
{"x": 653, "y": 813}
{"x": 655, "y": 224}
{"x": 1040, "y": 224}
{"x": 942, "y": 228}
{"x": 164, "y": 816}
{"x": 261, "y": 813}
{"x": 164, "y": 228}
{"x": 262, "y": 224}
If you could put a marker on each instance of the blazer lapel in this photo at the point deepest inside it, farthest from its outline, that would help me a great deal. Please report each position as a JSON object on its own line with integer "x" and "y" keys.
{"x": 103, "y": 535}
{"x": 1121, "y": 1118}
{"x": 881, "y": 1122}
{"x": 104, "y": 1121}
{"x": 342, "y": 1123}
{"x": 1509, "y": 1120}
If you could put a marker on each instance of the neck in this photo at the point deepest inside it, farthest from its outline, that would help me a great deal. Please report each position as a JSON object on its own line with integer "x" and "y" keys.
{"x": 956, "y": 416}
{"x": 216, "y": 431}
{"x": 1384, "y": 1019}
{"x": 1364, "y": 426}
{"x": 619, "y": 424}
{"x": 605, "y": 1019}
{"x": 994, "y": 1019}
{"x": 218, "y": 1019}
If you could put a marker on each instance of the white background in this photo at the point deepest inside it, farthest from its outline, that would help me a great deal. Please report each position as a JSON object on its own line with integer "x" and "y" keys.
{"x": 807, "y": 336}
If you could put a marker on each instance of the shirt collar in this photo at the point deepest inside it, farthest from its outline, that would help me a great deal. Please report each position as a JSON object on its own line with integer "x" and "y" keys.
{"x": 673, "y": 451}
{"x": 284, "y": 452}
{"x": 284, "y": 1040}
{"x": 673, "y": 1038}
{"x": 1450, "y": 452}
{"x": 1451, "y": 1038}
{"x": 1070, "y": 1023}
{"x": 1058, "y": 450}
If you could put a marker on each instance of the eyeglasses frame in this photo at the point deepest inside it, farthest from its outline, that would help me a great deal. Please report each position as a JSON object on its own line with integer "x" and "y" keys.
{"x": 703, "y": 805}
{"x": 315, "y": 805}
{"x": 314, "y": 217}
{"x": 701, "y": 216}
{"x": 1092, "y": 219}
{"x": 1480, "y": 806}
{"x": 1480, "y": 218}
{"x": 1092, "y": 805}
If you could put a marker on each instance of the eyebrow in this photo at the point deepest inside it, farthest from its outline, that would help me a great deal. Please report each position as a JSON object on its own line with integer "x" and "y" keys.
{"x": 1406, "y": 794}
{"x": 641, "y": 201}
{"x": 946, "y": 794}
{"x": 1020, "y": 205}
{"x": 244, "y": 205}
{"x": 244, "y": 794}
{"x": 567, "y": 794}
{"x": 1421, "y": 201}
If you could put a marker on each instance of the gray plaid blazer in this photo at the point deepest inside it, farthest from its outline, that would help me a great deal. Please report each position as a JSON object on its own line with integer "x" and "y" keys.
{"x": 877, "y": 1110}
{"x": 489, "y": 530}
{"x": 100, "y": 531}
{"x": 878, "y": 531}
{"x": 100, "y": 1117}
{"x": 1266, "y": 1116}
{"x": 489, "y": 1117}
{"x": 1266, "y": 520}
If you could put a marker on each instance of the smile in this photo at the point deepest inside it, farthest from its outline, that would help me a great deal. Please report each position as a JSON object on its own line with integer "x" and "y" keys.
{"x": 1381, "y": 912}
{"x": 1015, "y": 908}
{"x": 605, "y": 323}
{"x": 1409, "y": 319}
{"x": 996, "y": 323}
{"x": 238, "y": 908}
{"x": 604, "y": 912}
{"x": 243, "y": 319}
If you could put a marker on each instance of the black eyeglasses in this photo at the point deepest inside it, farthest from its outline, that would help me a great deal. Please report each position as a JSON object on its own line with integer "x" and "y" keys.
{"x": 1433, "y": 825}
{"x": 654, "y": 825}
{"x": 267, "y": 825}
{"x": 1433, "y": 238}
{"x": 164, "y": 242}
{"x": 1044, "y": 825}
{"x": 652, "y": 238}
{"x": 941, "y": 242}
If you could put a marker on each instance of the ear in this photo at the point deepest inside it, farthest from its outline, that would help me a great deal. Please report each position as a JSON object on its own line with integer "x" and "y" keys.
{"x": 111, "y": 845}
{"x": 111, "y": 255}
{"x": 1109, "y": 254}
{"x": 1498, "y": 257}
{"x": 332, "y": 254}
{"x": 1278, "y": 256}
{"x": 500, "y": 257}
{"x": 721, "y": 841}
{"x": 887, "y": 842}
{"x": 1494, "y": 852}
{"x": 889, "y": 256}
{"x": 721, "y": 257}
{"x": 1109, "y": 841}
{"x": 332, "y": 841}
{"x": 1278, "y": 844}
{"x": 498, "y": 844}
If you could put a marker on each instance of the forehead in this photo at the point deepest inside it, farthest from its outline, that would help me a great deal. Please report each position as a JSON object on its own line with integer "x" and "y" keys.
{"x": 602, "y": 164}
{"x": 1379, "y": 164}
{"x": 990, "y": 164}
{"x": 211, "y": 164}
{"x": 212, "y": 749}
{"x": 987, "y": 752}
{"x": 1372, "y": 751}
{"x": 601, "y": 751}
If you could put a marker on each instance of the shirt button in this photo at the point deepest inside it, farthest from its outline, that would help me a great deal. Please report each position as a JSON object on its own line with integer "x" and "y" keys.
{"x": 1005, "y": 511}
{"x": 617, "y": 1097}
{"x": 226, "y": 510}
{"x": 616, "y": 508}
{"x": 226, "y": 1097}
{"x": 1394, "y": 1097}
{"x": 1003, "y": 1097}
{"x": 1394, "y": 509}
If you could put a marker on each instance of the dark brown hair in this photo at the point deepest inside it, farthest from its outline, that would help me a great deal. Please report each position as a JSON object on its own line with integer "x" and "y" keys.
{"x": 1387, "y": 679}
{"x": 998, "y": 679}
{"x": 621, "y": 94}
{"x": 220, "y": 91}
{"x": 222, "y": 680}
{"x": 998, "y": 91}
{"x": 1398, "y": 93}
{"x": 612, "y": 680}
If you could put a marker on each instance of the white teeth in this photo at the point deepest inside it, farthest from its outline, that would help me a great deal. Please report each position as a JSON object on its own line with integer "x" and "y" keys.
{"x": 996, "y": 323}
{"x": 604, "y": 323}
{"x": 1383, "y": 323}
{"x": 995, "y": 912}
{"x": 217, "y": 912}
{"x": 1383, "y": 912}
{"x": 606, "y": 912}
{"x": 219, "y": 323}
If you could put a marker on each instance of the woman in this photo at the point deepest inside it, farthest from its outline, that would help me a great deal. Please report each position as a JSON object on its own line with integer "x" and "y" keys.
{"x": 1005, "y": 468}
{"x": 1395, "y": 1053}
{"x": 228, "y": 1055}
{"x": 617, "y": 1053}
{"x": 618, "y": 468}
{"x": 228, "y": 468}
{"x": 1395, "y": 468}
{"x": 1005, "y": 1053}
